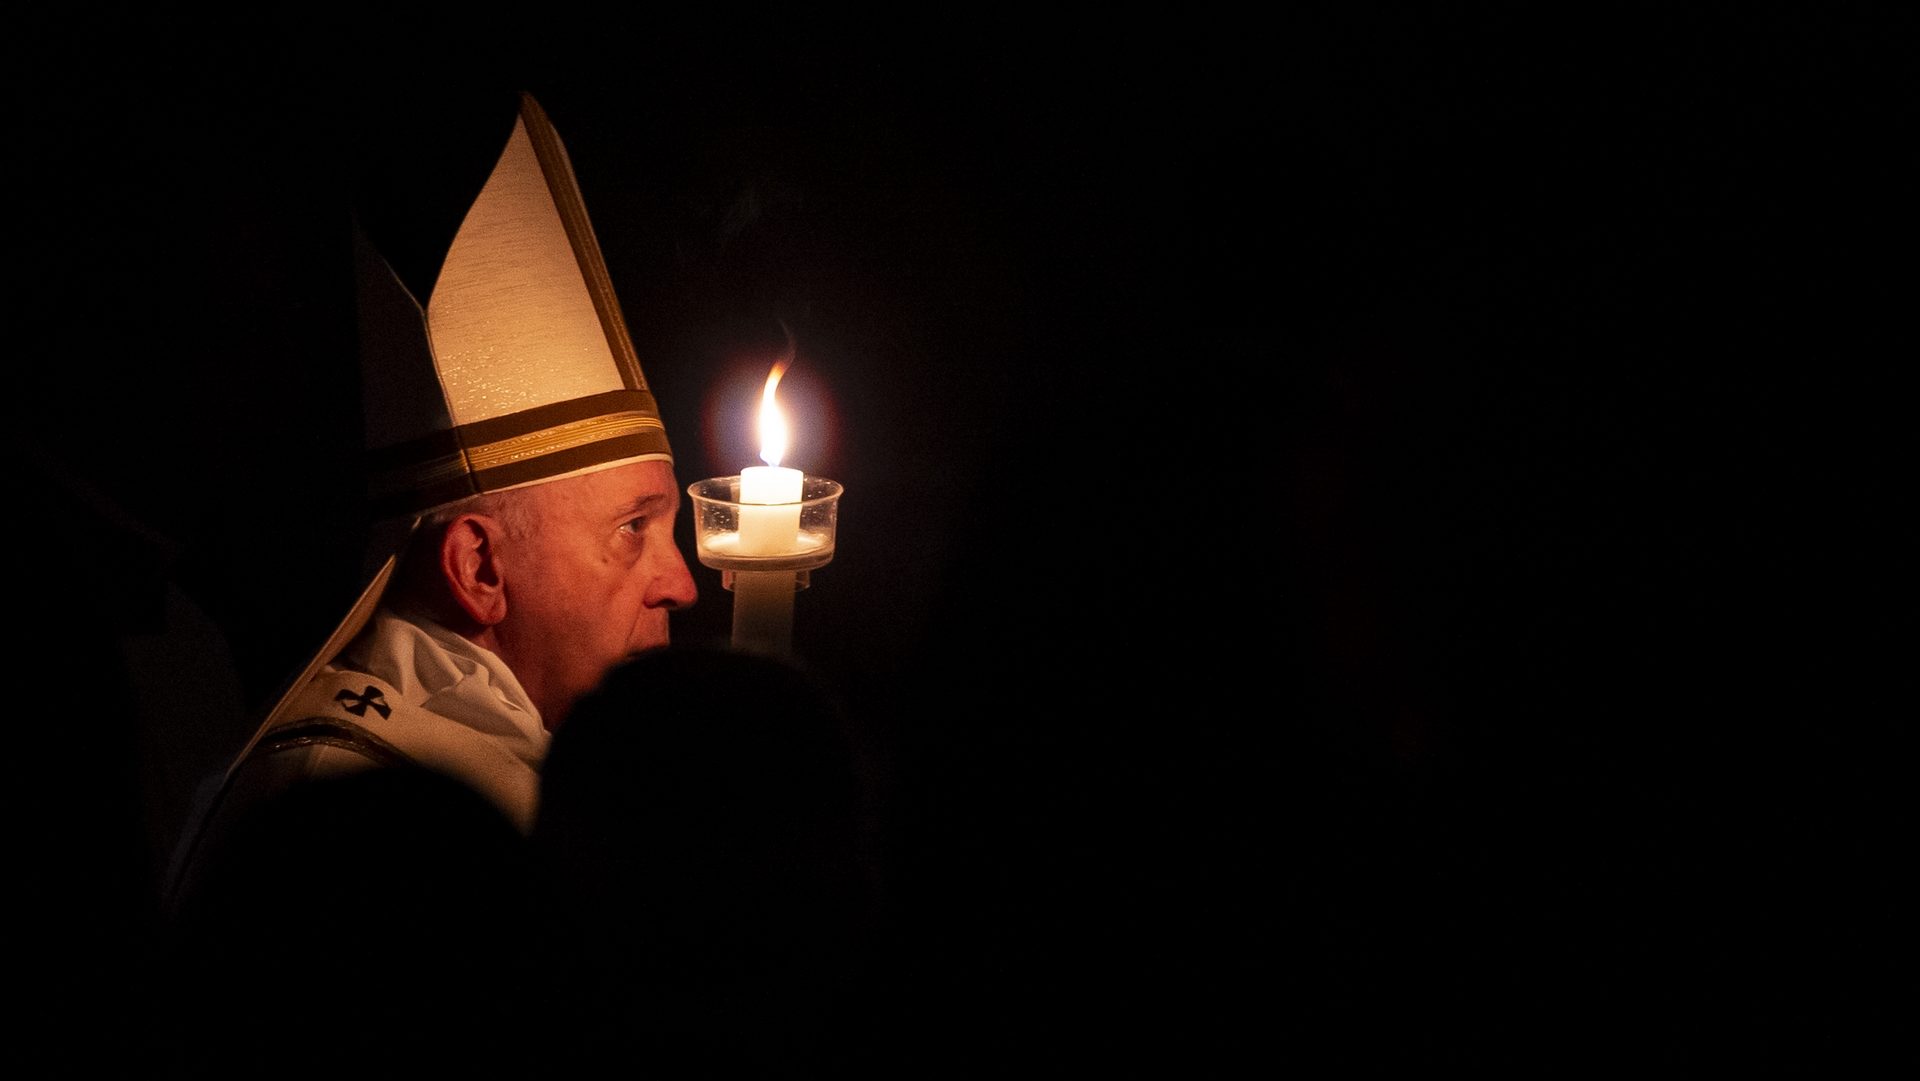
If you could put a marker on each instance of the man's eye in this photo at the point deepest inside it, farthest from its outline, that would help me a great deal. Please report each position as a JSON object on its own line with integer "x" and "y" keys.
{"x": 634, "y": 525}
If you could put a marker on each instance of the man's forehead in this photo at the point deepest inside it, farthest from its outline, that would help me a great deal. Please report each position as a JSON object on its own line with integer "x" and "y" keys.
{"x": 623, "y": 487}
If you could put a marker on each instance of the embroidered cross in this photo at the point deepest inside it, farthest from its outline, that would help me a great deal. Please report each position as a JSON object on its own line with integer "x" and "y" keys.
{"x": 357, "y": 704}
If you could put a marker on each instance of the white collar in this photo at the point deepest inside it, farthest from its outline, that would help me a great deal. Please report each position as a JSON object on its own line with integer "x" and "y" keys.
{"x": 443, "y": 673}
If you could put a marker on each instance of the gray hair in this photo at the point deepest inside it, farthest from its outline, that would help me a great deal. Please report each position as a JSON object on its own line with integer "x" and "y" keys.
{"x": 416, "y": 585}
{"x": 512, "y": 507}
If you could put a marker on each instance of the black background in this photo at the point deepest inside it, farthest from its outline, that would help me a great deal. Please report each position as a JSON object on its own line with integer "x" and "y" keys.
{"x": 1367, "y": 536}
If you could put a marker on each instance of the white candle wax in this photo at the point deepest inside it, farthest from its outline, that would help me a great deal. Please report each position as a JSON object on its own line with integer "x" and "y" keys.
{"x": 770, "y": 514}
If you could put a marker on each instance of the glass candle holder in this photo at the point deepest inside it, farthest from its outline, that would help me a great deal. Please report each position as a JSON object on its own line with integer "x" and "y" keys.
{"x": 731, "y": 535}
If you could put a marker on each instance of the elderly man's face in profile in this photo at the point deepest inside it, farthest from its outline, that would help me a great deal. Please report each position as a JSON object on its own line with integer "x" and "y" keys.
{"x": 593, "y": 584}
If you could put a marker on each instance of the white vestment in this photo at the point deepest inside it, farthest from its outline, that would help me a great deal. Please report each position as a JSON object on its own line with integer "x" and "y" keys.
{"x": 405, "y": 691}
{"x": 452, "y": 706}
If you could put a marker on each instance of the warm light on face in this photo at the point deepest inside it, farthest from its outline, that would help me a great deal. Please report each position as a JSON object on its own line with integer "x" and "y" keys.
{"x": 773, "y": 423}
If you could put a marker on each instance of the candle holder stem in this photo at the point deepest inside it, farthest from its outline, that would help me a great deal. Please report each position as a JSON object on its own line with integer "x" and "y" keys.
{"x": 763, "y": 610}
{"x": 764, "y": 553}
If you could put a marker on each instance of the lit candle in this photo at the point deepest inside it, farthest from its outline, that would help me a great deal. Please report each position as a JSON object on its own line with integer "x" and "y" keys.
{"x": 770, "y": 494}
{"x": 766, "y": 530}
{"x": 769, "y": 526}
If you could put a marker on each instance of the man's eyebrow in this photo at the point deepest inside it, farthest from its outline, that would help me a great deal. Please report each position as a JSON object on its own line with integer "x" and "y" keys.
{"x": 642, "y": 504}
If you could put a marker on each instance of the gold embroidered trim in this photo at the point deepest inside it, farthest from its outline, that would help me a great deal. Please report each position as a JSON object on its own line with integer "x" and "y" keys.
{"x": 503, "y": 452}
{"x": 331, "y": 732}
{"x": 558, "y": 438}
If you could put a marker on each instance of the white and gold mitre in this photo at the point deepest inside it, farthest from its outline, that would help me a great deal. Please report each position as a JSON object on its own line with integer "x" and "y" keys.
{"x": 518, "y": 369}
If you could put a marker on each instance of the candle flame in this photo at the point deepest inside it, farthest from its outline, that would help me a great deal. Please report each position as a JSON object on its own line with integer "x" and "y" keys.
{"x": 773, "y": 423}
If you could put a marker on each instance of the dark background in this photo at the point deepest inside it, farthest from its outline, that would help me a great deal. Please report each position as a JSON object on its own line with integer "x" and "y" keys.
{"x": 1367, "y": 537}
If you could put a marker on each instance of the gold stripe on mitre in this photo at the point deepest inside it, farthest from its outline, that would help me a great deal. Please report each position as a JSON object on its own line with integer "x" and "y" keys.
{"x": 521, "y": 448}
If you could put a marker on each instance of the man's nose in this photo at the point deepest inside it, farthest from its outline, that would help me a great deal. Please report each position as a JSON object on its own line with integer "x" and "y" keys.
{"x": 673, "y": 586}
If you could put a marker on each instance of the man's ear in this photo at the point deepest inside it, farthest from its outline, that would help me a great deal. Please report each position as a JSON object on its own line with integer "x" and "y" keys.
{"x": 470, "y": 563}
